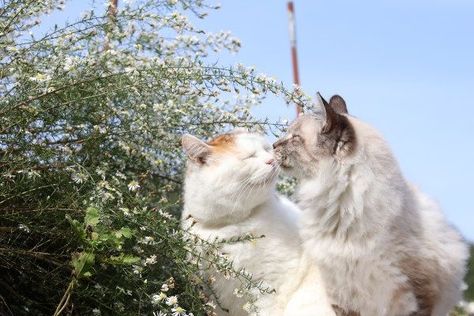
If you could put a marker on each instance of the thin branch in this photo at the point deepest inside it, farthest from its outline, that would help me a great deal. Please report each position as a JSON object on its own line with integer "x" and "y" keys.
{"x": 65, "y": 298}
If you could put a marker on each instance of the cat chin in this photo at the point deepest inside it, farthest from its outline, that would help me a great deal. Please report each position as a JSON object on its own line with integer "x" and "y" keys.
{"x": 267, "y": 181}
{"x": 290, "y": 172}
{"x": 293, "y": 172}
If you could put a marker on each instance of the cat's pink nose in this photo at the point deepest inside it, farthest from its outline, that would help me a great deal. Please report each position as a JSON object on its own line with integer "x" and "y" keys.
{"x": 270, "y": 161}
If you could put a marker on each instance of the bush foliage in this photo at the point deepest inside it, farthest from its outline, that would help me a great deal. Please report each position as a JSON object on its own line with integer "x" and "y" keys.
{"x": 90, "y": 160}
{"x": 469, "y": 293}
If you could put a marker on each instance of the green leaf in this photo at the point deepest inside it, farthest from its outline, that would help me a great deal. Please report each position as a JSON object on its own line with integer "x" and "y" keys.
{"x": 94, "y": 236}
{"x": 129, "y": 259}
{"x": 92, "y": 217}
{"x": 124, "y": 259}
{"x": 76, "y": 225}
{"x": 124, "y": 232}
{"x": 82, "y": 263}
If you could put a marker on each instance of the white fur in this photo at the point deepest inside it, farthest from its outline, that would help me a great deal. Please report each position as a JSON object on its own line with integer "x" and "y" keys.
{"x": 360, "y": 215}
{"x": 221, "y": 198}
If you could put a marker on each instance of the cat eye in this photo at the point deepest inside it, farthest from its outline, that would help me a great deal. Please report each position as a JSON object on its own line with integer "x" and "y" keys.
{"x": 253, "y": 155}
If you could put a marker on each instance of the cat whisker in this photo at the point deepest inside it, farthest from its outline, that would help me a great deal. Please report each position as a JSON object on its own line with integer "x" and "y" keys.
{"x": 242, "y": 189}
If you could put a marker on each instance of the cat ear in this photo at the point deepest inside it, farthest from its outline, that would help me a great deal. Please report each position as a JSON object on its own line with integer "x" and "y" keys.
{"x": 321, "y": 101}
{"x": 330, "y": 116}
{"x": 338, "y": 104}
{"x": 337, "y": 127}
{"x": 196, "y": 149}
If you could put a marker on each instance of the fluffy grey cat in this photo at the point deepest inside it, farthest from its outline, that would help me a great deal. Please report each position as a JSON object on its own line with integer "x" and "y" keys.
{"x": 384, "y": 248}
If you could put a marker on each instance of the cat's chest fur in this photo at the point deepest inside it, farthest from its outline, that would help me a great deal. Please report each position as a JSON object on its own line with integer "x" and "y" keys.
{"x": 273, "y": 229}
{"x": 346, "y": 229}
{"x": 271, "y": 257}
{"x": 353, "y": 276}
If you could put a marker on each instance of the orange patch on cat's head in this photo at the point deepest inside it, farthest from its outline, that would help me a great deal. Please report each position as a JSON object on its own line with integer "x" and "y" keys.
{"x": 223, "y": 143}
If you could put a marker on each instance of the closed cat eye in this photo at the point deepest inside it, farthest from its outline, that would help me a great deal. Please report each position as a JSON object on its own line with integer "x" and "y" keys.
{"x": 253, "y": 155}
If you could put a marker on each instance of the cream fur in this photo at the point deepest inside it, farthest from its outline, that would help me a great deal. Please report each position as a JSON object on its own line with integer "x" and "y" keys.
{"x": 361, "y": 218}
{"x": 220, "y": 197}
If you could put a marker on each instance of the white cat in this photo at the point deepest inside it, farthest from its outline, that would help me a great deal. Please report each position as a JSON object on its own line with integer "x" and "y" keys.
{"x": 229, "y": 192}
{"x": 383, "y": 247}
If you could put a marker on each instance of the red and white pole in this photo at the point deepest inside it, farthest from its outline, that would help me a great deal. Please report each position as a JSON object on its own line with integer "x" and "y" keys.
{"x": 294, "y": 55}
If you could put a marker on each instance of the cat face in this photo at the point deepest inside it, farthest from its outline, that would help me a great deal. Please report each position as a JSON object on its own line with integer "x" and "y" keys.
{"x": 236, "y": 168}
{"x": 312, "y": 138}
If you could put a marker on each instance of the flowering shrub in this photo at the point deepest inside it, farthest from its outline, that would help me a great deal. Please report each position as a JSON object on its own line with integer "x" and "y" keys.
{"x": 91, "y": 115}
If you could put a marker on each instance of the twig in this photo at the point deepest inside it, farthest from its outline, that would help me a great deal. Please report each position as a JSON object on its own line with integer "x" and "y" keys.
{"x": 65, "y": 299}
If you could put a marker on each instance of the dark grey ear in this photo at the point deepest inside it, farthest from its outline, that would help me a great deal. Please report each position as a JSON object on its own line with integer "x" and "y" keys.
{"x": 338, "y": 104}
{"x": 321, "y": 101}
{"x": 196, "y": 149}
{"x": 337, "y": 131}
{"x": 330, "y": 116}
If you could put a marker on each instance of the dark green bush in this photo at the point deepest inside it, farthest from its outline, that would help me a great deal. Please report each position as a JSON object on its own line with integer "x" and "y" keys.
{"x": 91, "y": 115}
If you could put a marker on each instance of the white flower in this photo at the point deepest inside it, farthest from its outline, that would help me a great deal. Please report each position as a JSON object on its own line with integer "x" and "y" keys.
{"x": 165, "y": 287}
{"x": 96, "y": 311}
{"x": 100, "y": 129}
{"x": 178, "y": 311}
{"x": 137, "y": 270}
{"x": 133, "y": 185}
{"x": 39, "y": 77}
{"x": 68, "y": 63}
{"x": 238, "y": 292}
{"x": 150, "y": 260}
{"x": 78, "y": 178}
{"x": 119, "y": 306}
{"x": 172, "y": 300}
{"x": 247, "y": 307}
{"x": 165, "y": 214}
{"x": 147, "y": 240}
{"x": 157, "y": 298}
{"x": 24, "y": 228}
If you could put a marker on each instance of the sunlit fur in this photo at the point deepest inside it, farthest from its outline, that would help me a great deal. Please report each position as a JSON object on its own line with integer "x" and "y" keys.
{"x": 229, "y": 192}
{"x": 383, "y": 247}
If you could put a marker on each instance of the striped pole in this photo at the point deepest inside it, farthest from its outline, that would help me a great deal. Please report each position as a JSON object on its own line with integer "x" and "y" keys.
{"x": 294, "y": 55}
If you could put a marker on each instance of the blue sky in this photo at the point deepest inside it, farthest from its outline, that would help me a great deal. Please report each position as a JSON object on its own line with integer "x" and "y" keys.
{"x": 405, "y": 66}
